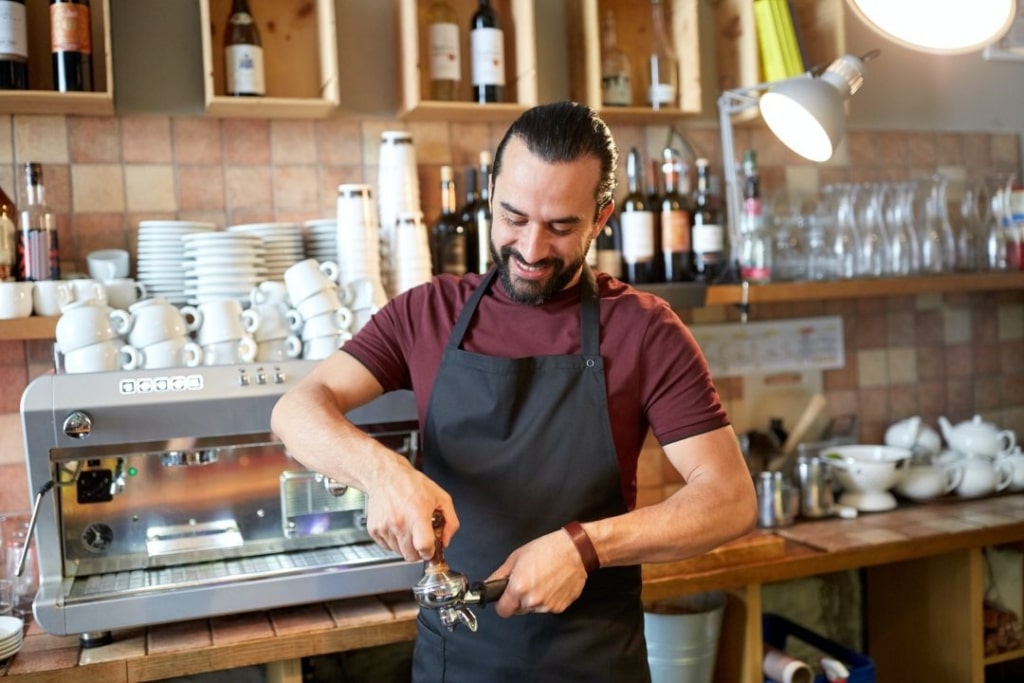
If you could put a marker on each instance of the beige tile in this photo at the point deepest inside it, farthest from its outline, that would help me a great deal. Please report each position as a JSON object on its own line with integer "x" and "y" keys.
{"x": 802, "y": 180}
{"x": 292, "y": 142}
{"x": 200, "y": 188}
{"x": 902, "y": 365}
{"x": 146, "y": 139}
{"x": 432, "y": 141}
{"x": 296, "y": 187}
{"x": 97, "y": 188}
{"x": 338, "y": 142}
{"x": 6, "y": 139}
{"x": 956, "y": 325}
{"x": 248, "y": 187}
{"x": 246, "y": 141}
{"x": 872, "y": 368}
{"x": 94, "y": 139}
{"x": 371, "y": 130}
{"x": 196, "y": 141}
{"x": 1011, "y": 323}
{"x": 149, "y": 187}
{"x": 41, "y": 138}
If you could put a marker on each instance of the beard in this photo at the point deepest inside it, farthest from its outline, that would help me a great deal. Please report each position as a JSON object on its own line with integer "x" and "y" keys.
{"x": 532, "y": 292}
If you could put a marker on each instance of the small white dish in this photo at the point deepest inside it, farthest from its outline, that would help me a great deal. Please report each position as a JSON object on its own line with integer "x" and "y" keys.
{"x": 10, "y": 626}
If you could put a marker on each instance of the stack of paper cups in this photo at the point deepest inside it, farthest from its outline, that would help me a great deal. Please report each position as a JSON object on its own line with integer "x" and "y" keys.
{"x": 398, "y": 191}
{"x": 358, "y": 238}
{"x": 411, "y": 252}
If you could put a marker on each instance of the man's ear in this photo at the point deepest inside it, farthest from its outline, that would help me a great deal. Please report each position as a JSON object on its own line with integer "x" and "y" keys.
{"x": 602, "y": 217}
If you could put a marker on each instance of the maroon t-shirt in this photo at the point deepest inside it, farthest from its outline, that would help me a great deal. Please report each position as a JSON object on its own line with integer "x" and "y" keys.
{"x": 655, "y": 373}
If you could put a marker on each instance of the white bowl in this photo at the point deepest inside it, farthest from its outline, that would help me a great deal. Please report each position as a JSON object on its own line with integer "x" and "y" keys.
{"x": 866, "y": 473}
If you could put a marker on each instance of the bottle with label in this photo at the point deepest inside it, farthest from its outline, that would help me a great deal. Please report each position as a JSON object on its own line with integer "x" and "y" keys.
{"x": 662, "y": 65}
{"x": 8, "y": 238}
{"x": 487, "y": 52}
{"x": 609, "y": 248}
{"x": 636, "y": 221}
{"x": 13, "y": 45}
{"x": 483, "y": 215}
{"x": 243, "y": 54}
{"x": 616, "y": 73}
{"x": 707, "y": 234}
{"x": 467, "y": 219}
{"x": 37, "y": 256}
{"x": 675, "y": 225}
{"x": 447, "y": 236}
{"x": 755, "y": 248}
{"x": 71, "y": 45}
{"x": 444, "y": 55}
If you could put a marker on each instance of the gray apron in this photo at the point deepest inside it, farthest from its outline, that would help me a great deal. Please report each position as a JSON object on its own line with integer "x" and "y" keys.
{"x": 524, "y": 445}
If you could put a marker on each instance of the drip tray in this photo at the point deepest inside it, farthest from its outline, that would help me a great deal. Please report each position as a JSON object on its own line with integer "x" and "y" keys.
{"x": 119, "y": 584}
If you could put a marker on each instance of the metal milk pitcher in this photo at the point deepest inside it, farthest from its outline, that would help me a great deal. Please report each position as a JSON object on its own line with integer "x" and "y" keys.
{"x": 815, "y": 479}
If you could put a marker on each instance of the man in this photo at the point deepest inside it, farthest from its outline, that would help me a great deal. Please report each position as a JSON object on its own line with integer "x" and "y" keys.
{"x": 535, "y": 387}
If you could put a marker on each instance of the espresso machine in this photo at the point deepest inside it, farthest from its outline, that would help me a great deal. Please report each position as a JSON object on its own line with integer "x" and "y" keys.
{"x": 162, "y": 496}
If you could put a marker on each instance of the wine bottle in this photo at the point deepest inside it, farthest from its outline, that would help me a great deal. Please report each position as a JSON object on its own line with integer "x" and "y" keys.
{"x": 13, "y": 45}
{"x": 636, "y": 221}
{"x": 487, "y": 48}
{"x": 467, "y": 219}
{"x": 675, "y": 225}
{"x": 445, "y": 63}
{"x": 755, "y": 255}
{"x": 609, "y": 248}
{"x": 447, "y": 236}
{"x": 8, "y": 239}
{"x": 653, "y": 185}
{"x": 37, "y": 257}
{"x": 483, "y": 215}
{"x": 708, "y": 236}
{"x": 243, "y": 53}
{"x": 616, "y": 78}
{"x": 71, "y": 45}
{"x": 662, "y": 65}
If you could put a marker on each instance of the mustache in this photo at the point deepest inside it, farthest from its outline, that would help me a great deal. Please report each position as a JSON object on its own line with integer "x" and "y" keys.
{"x": 509, "y": 253}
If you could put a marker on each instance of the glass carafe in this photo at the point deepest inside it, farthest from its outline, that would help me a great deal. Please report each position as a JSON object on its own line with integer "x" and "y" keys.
{"x": 840, "y": 230}
{"x": 987, "y": 204}
{"x": 875, "y": 253}
{"x": 934, "y": 233}
{"x": 896, "y": 209}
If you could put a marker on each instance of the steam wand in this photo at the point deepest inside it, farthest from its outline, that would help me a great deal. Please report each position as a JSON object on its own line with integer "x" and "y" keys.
{"x": 449, "y": 591}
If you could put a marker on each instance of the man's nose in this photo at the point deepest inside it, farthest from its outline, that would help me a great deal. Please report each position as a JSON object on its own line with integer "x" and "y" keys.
{"x": 533, "y": 243}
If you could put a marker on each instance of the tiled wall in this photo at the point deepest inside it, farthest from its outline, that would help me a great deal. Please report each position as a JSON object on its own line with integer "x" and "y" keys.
{"x": 952, "y": 354}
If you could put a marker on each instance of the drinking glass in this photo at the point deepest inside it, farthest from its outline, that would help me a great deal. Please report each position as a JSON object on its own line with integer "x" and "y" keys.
{"x": 840, "y": 230}
{"x": 896, "y": 212}
{"x": 15, "y": 537}
{"x": 935, "y": 235}
{"x": 875, "y": 254}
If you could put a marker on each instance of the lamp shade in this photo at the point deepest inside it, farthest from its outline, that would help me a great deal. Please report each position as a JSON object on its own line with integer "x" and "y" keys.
{"x": 940, "y": 26}
{"x": 808, "y": 114}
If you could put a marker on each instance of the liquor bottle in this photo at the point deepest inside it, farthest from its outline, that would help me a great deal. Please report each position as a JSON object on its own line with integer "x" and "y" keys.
{"x": 653, "y": 185}
{"x": 447, "y": 236}
{"x": 467, "y": 219}
{"x": 662, "y": 65}
{"x": 445, "y": 62}
{"x": 483, "y": 215}
{"x": 8, "y": 239}
{"x": 487, "y": 48}
{"x": 37, "y": 257}
{"x": 755, "y": 247}
{"x": 609, "y": 248}
{"x": 708, "y": 236}
{"x": 616, "y": 78}
{"x": 243, "y": 53}
{"x": 675, "y": 225}
{"x": 13, "y": 45}
{"x": 71, "y": 45}
{"x": 636, "y": 221}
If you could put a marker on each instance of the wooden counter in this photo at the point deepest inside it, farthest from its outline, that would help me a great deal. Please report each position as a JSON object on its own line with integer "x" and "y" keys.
{"x": 943, "y": 537}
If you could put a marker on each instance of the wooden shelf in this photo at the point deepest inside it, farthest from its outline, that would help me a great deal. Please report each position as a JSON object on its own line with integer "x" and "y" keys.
{"x": 33, "y": 327}
{"x": 42, "y": 98}
{"x": 1007, "y": 656}
{"x": 301, "y": 59}
{"x": 433, "y": 110}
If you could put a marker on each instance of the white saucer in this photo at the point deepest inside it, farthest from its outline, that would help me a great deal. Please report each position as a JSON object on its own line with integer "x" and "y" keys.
{"x": 10, "y": 626}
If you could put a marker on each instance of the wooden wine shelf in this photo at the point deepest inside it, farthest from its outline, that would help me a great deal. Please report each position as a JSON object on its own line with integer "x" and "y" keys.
{"x": 34, "y": 327}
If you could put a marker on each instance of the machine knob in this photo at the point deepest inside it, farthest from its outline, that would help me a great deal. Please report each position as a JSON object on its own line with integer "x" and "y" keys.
{"x": 78, "y": 425}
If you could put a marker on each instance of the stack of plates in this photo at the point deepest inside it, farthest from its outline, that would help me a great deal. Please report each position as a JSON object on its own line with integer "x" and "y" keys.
{"x": 222, "y": 265}
{"x": 282, "y": 245}
{"x": 11, "y": 632}
{"x": 322, "y": 239}
{"x": 160, "y": 254}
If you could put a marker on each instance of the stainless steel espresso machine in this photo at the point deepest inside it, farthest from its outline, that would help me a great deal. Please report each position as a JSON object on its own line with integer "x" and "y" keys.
{"x": 162, "y": 496}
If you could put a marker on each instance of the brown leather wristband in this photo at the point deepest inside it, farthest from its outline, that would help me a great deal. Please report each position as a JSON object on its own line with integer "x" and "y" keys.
{"x": 583, "y": 546}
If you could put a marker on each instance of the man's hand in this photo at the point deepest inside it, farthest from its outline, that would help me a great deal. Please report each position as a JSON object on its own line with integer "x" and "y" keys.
{"x": 545, "y": 575}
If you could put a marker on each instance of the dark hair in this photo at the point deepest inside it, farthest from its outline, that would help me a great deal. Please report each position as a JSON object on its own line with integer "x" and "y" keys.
{"x": 565, "y": 131}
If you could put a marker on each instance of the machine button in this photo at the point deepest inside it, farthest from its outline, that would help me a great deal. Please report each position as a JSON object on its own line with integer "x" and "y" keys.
{"x": 243, "y": 380}
{"x": 261, "y": 378}
{"x": 279, "y": 378}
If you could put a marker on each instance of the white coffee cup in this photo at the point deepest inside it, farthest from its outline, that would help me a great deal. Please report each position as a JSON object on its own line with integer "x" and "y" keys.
{"x": 123, "y": 292}
{"x": 230, "y": 351}
{"x": 108, "y": 264}
{"x": 1015, "y": 459}
{"x": 269, "y": 292}
{"x": 319, "y": 348}
{"x": 87, "y": 289}
{"x": 83, "y": 323}
{"x": 50, "y": 296}
{"x": 274, "y": 350}
{"x": 223, "y": 319}
{"x": 982, "y": 476}
{"x": 156, "y": 319}
{"x": 101, "y": 357}
{"x": 177, "y": 352}
{"x": 321, "y": 302}
{"x": 277, "y": 320}
{"x": 326, "y": 324}
{"x": 15, "y": 300}
{"x": 305, "y": 278}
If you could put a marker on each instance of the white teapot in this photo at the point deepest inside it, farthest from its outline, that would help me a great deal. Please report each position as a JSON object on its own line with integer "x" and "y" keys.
{"x": 912, "y": 433}
{"x": 977, "y": 437}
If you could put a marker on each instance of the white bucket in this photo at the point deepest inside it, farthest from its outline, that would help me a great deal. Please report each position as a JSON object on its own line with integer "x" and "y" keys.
{"x": 682, "y": 637}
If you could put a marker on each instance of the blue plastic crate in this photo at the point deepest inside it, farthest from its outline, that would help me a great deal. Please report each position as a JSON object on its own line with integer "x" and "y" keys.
{"x": 778, "y": 629}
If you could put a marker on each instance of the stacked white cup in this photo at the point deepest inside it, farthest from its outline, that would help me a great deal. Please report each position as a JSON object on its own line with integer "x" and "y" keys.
{"x": 315, "y": 295}
{"x": 224, "y": 331}
{"x": 89, "y": 338}
{"x": 398, "y": 191}
{"x": 411, "y": 252}
{"x": 278, "y": 322}
{"x": 359, "y": 240}
{"x": 110, "y": 267}
{"x": 160, "y": 331}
